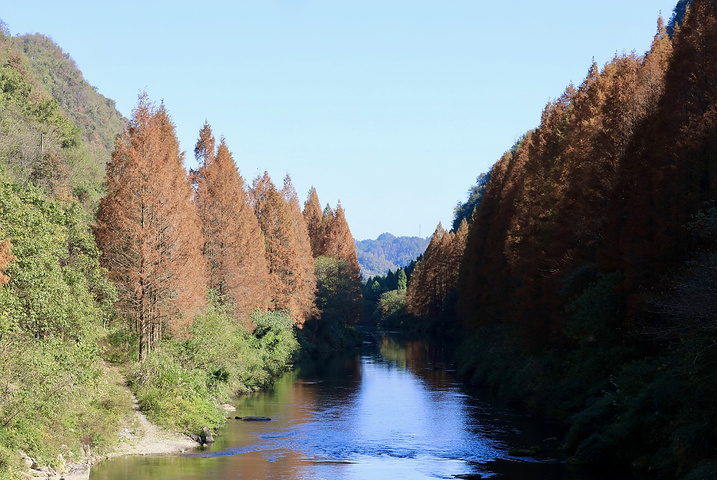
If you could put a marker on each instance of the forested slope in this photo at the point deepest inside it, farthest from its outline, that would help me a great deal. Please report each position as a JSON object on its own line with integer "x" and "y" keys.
{"x": 57, "y": 131}
{"x": 587, "y": 279}
{"x": 588, "y": 266}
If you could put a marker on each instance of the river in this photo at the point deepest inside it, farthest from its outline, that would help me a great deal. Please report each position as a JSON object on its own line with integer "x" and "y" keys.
{"x": 392, "y": 410}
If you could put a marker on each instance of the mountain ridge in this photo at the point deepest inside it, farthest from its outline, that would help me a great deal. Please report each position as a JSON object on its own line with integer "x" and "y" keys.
{"x": 388, "y": 252}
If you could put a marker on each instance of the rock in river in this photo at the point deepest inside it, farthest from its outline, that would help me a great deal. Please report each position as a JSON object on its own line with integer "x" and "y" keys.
{"x": 254, "y": 419}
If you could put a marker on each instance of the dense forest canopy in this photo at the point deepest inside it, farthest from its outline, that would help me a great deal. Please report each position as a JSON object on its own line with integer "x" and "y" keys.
{"x": 588, "y": 261}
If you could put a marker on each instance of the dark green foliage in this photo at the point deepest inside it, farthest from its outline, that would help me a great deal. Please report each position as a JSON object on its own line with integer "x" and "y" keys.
{"x": 387, "y": 252}
{"x": 339, "y": 300}
{"x": 678, "y": 16}
{"x": 401, "y": 280}
{"x": 464, "y": 211}
{"x": 336, "y": 294}
{"x": 385, "y": 296}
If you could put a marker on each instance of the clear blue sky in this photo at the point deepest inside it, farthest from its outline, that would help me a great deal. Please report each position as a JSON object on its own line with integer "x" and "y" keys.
{"x": 391, "y": 107}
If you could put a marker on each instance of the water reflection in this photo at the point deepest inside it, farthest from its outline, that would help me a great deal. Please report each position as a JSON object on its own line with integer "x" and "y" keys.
{"x": 392, "y": 410}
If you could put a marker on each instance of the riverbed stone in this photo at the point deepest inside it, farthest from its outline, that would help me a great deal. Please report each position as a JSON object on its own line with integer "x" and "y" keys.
{"x": 207, "y": 436}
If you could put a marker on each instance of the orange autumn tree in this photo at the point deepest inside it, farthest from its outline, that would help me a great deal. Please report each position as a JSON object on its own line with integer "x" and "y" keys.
{"x": 307, "y": 291}
{"x": 338, "y": 241}
{"x": 233, "y": 242}
{"x": 313, "y": 217}
{"x": 286, "y": 273}
{"x": 338, "y": 269}
{"x": 544, "y": 227}
{"x": 148, "y": 228}
{"x": 6, "y": 257}
{"x": 435, "y": 279}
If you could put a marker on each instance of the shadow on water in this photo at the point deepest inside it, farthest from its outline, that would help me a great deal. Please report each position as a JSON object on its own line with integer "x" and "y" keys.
{"x": 391, "y": 410}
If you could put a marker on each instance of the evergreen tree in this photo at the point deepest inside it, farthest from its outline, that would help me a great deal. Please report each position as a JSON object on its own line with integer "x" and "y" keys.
{"x": 402, "y": 279}
{"x": 148, "y": 228}
{"x": 233, "y": 243}
{"x": 464, "y": 211}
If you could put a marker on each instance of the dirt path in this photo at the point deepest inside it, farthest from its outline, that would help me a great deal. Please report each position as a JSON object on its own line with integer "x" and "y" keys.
{"x": 148, "y": 439}
{"x": 138, "y": 436}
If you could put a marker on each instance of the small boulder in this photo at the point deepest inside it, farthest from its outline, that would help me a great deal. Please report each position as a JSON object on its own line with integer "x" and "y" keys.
{"x": 207, "y": 436}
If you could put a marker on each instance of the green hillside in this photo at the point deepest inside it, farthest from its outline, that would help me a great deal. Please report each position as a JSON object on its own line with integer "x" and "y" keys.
{"x": 56, "y": 131}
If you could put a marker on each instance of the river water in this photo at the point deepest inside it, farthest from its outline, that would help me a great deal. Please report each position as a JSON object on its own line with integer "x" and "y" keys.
{"x": 392, "y": 410}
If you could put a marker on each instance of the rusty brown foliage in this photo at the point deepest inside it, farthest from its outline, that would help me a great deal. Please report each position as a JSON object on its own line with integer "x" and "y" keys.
{"x": 233, "y": 243}
{"x": 313, "y": 217}
{"x": 6, "y": 257}
{"x": 148, "y": 228}
{"x": 552, "y": 201}
{"x": 435, "y": 278}
{"x": 286, "y": 271}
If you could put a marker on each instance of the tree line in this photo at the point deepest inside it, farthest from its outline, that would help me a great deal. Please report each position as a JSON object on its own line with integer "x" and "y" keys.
{"x": 168, "y": 237}
{"x": 588, "y": 269}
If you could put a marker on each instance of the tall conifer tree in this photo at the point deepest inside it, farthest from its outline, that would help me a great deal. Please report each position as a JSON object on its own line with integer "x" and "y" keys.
{"x": 148, "y": 228}
{"x": 281, "y": 247}
{"x": 338, "y": 243}
{"x": 307, "y": 291}
{"x": 233, "y": 242}
{"x": 313, "y": 217}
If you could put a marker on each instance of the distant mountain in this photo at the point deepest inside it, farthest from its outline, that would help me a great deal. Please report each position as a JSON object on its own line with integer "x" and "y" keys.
{"x": 388, "y": 252}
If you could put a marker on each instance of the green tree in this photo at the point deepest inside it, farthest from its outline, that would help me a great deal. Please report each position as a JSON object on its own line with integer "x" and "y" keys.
{"x": 56, "y": 286}
{"x": 402, "y": 280}
{"x": 464, "y": 211}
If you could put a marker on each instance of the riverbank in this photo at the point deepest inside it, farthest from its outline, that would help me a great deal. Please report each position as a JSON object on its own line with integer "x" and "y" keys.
{"x": 408, "y": 417}
{"x": 136, "y": 436}
{"x": 622, "y": 407}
